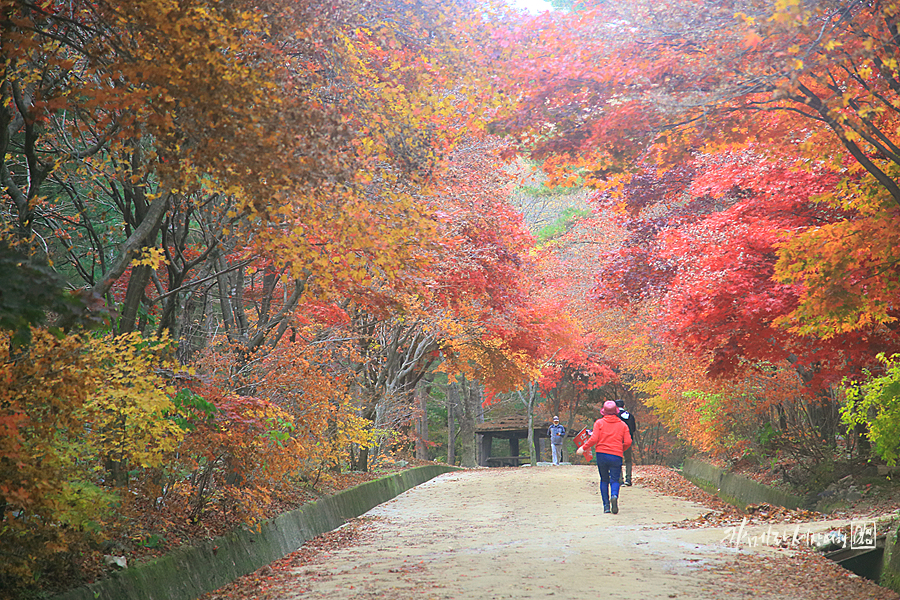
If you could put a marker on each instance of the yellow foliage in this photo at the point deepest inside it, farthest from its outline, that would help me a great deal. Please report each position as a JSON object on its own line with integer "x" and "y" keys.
{"x": 130, "y": 400}
{"x": 151, "y": 257}
{"x": 489, "y": 360}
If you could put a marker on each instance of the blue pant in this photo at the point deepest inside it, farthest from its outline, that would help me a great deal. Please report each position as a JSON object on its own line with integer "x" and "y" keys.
{"x": 610, "y": 467}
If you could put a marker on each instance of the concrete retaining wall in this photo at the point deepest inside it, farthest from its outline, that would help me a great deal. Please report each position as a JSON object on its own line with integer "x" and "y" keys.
{"x": 741, "y": 491}
{"x": 890, "y": 564}
{"x": 187, "y": 573}
{"x": 735, "y": 489}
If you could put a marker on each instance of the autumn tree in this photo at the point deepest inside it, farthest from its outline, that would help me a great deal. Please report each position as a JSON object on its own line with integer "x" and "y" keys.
{"x": 611, "y": 87}
{"x": 463, "y": 307}
{"x": 211, "y": 171}
{"x": 68, "y": 403}
{"x": 750, "y": 151}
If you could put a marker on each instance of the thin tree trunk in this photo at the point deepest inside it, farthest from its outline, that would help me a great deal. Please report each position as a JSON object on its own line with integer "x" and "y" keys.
{"x": 422, "y": 421}
{"x": 528, "y": 400}
{"x": 137, "y": 283}
{"x": 471, "y": 399}
{"x": 452, "y": 400}
{"x": 570, "y": 421}
{"x": 225, "y": 299}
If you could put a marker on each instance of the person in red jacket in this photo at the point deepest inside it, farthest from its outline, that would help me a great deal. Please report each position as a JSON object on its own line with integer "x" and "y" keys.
{"x": 610, "y": 439}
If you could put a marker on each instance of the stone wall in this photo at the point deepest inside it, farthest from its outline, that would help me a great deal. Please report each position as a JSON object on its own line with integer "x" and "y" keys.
{"x": 187, "y": 573}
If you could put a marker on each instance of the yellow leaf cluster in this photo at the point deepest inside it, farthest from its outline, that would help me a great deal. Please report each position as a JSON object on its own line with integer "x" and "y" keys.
{"x": 130, "y": 401}
{"x": 151, "y": 257}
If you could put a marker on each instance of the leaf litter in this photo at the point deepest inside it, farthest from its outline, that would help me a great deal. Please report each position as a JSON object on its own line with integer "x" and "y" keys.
{"x": 796, "y": 571}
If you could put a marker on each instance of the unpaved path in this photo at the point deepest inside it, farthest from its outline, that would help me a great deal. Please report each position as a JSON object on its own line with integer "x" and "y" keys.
{"x": 525, "y": 533}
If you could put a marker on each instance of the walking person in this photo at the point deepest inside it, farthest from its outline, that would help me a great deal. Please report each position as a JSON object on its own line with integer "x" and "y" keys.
{"x": 609, "y": 439}
{"x": 628, "y": 457}
{"x": 557, "y": 435}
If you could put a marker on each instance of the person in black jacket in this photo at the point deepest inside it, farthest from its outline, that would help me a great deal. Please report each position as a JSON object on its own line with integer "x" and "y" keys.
{"x": 632, "y": 425}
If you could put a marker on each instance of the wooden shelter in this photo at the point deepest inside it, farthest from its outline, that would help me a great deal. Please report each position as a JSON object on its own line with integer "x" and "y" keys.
{"x": 514, "y": 429}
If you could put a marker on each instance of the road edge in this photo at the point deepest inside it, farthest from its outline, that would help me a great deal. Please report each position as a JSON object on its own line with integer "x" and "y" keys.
{"x": 189, "y": 572}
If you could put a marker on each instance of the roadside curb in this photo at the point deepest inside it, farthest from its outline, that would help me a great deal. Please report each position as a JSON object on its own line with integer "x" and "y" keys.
{"x": 189, "y": 572}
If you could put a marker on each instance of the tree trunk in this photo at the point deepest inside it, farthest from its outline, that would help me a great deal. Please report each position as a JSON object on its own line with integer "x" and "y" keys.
{"x": 479, "y": 447}
{"x": 381, "y": 424}
{"x": 359, "y": 458}
{"x": 129, "y": 249}
{"x": 140, "y": 277}
{"x": 225, "y": 299}
{"x": 452, "y": 401}
{"x": 570, "y": 420}
{"x": 863, "y": 444}
{"x": 528, "y": 400}
{"x": 471, "y": 401}
{"x": 422, "y": 420}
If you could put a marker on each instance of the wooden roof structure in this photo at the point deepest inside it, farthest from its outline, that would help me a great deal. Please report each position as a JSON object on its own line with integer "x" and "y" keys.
{"x": 510, "y": 423}
{"x": 514, "y": 425}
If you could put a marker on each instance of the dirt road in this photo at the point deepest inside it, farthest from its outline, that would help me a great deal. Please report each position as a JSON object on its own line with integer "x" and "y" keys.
{"x": 527, "y": 533}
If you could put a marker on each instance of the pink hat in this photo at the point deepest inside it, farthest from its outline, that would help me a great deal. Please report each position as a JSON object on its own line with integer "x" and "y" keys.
{"x": 610, "y": 408}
